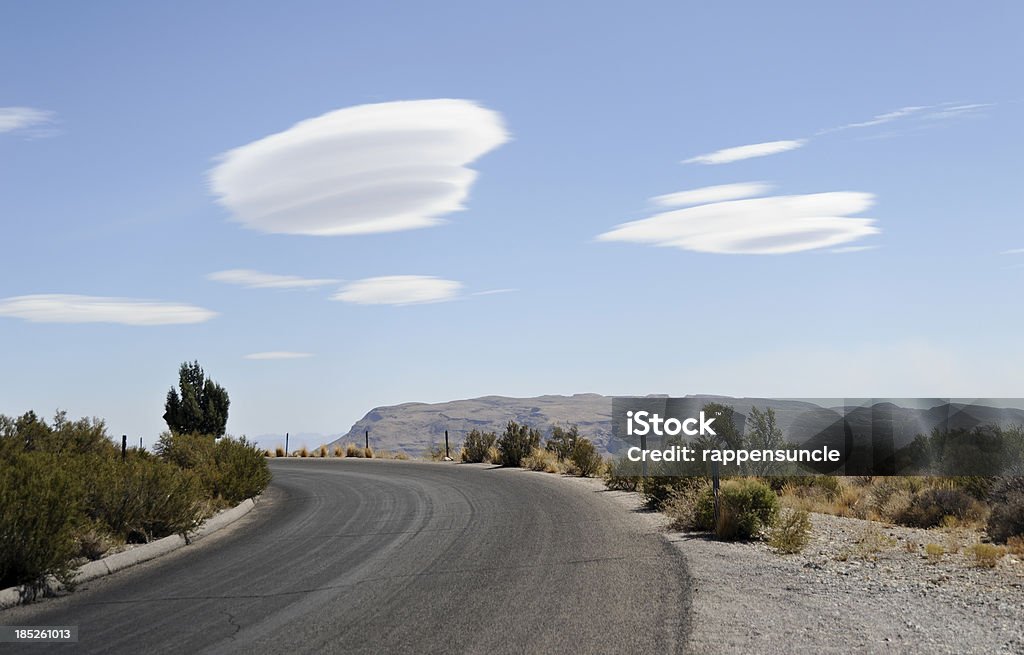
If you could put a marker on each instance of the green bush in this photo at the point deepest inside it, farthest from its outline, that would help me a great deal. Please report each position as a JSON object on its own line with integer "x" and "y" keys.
{"x": 747, "y": 507}
{"x": 477, "y": 446}
{"x": 39, "y": 512}
{"x": 563, "y": 441}
{"x": 227, "y": 469}
{"x": 586, "y": 458}
{"x": 517, "y": 443}
{"x": 1007, "y": 517}
{"x": 930, "y": 506}
{"x": 681, "y": 505}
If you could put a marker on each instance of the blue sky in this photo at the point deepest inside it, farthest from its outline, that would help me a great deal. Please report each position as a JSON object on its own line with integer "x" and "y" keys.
{"x": 137, "y": 163}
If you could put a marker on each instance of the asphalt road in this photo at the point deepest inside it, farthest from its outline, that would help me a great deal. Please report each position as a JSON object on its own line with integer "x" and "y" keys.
{"x": 344, "y": 556}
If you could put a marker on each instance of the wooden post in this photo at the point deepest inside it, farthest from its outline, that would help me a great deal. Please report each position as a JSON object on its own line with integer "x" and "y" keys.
{"x": 124, "y": 447}
{"x": 367, "y": 439}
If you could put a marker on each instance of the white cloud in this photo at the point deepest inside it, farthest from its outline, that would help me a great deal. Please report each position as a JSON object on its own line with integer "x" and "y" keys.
{"x": 756, "y": 226}
{"x": 491, "y": 292}
{"x": 278, "y": 354}
{"x": 729, "y": 155}
{"x": 257, "y": 280}
{"x": 61, "y": 308}
{"x": 399, "y": 290}
{"x": 712, "y": 194}
{"x": 21, "y": 118}
{"x": 1015, "y": 251}
{"x": 847, "y": 249}
{"x": 364, "y": 169}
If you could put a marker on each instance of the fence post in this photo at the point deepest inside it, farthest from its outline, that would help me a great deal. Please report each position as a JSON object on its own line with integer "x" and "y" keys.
{"x": 446, "y": 454}
{"x": 287, "y": 453}
{"x": 367, "y": 439}
{"x": 714, "y": 486}
{"x": 124, "y": 447}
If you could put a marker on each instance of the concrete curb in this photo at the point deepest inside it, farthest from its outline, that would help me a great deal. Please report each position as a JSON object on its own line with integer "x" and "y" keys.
{"x": 90, "y": 571}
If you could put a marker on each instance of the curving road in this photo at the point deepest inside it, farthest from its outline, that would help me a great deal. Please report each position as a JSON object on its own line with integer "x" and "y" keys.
{"x": 352, "y": 556}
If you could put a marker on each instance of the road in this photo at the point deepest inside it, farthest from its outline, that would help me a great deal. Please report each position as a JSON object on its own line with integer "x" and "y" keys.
{"x": 350, "y": 556}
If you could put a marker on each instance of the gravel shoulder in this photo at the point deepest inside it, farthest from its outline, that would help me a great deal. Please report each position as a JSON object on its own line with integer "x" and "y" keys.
{"x": 856, "y": 588}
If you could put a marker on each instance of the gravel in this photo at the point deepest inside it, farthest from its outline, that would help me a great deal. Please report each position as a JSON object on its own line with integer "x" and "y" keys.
{"x": 858, "y": 587}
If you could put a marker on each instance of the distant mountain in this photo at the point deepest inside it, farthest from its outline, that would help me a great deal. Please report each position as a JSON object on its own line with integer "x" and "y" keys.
{"x": 414, "y": 427}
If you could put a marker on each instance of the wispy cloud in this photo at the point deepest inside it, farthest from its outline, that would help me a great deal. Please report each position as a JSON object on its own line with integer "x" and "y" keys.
{"x": 1014, "y": 251}
{"x": 24, "y": 118}
{"x": 62, "y": 308}
{"x": 953, "y": 110}
{"x": 278, "y": 354}
{"x": 256, "y": 280}
{"x": 364, "y": 169}
{"x": 491, "y": 292}
{"x": 757, "y": 226}
{"x": 738, "y": 153}
{"x": 399, "y": 290}
{"x": 716, "y": 193}
{"x": 879, "y": 119}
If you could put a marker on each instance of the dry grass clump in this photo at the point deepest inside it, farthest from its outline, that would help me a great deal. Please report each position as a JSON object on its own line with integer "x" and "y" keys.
{"x": 1015, "y": 546}
{"x": 792, "y": 532}
{"x": 987, "y": 555}
{"x": 337, "y": 451}
{"x": 321, "y": 451}
{"x": 368, "y": 452}
{"x": 934, "y": 552}
{"x": 268, "y": 453}
{"x": 681, "y": 505}
{"x": 827, "y": 495}
{"x": 303, "y": 452}
{"x": 401, "y": 454}
{"x": 871, "y": 542}
{"x": 541, "y": 459}
{"x": 279, "y": 452}
{"x": 352, "y": 450}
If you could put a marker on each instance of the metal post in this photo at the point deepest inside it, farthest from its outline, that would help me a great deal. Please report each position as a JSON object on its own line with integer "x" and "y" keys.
{"x": 286, "y": 451}
{"x": 714, "y": 486}
{"x": 643, "y": 449}
{"x": 367, "y": 438}
{"x": 446, "y": 455}
{"x": 140, "y": 443}
{"x": 124, "y": 447}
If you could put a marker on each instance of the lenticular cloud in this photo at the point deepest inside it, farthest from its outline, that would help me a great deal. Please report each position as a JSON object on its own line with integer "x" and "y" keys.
{"x": 773, "y": 225}
{"x": 370, "y": 168}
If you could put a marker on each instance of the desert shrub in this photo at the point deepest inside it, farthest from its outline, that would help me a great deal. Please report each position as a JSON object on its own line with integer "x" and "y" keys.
{"x": 368, "y": 452}
{"x": 1015, "y": 545}
{"x": 337, "y": 451}
{"x": 477, "y": 446}
{"x": 622, "y": 474}
{"x": 934, "y": 551}
{"x": 321, "y": 451}
{"x": 435, "y": 452}
{"x": 563, "y": 441}
{"x": 747, "y": 507}
{"x": 241, "y": 473}
{"x": 1007, "y": 502}
{"x": 40, "y": 506}
{"x": 928, "y": 508}
{"x": 280, "y": 452}
{"x": 227, "y": 469}
{"x": 139, "y": 500}
{"x": 585, "y": 457}
{"x": 681, "y": 505}
{"x": 303, "y": 452}
{"x": 352, "y": 450}
{"x": 657, "y": 489}
{"x": 401, "y": 455}
{"x": 542, "y": 460}
{"x": 792, "y": 531}
{"x": 827, "y": 487}
{"x": 268, "y": 453}
{"x": 987, "y": 555}
{"x": 516, "y": 443}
